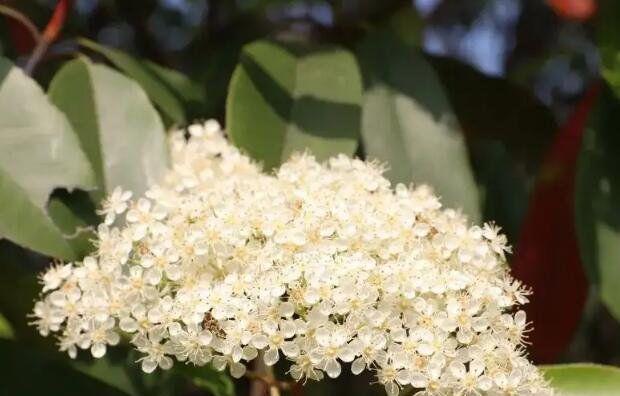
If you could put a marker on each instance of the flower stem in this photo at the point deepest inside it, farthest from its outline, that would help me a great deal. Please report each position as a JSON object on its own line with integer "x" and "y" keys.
{"x": 262, "y": 380}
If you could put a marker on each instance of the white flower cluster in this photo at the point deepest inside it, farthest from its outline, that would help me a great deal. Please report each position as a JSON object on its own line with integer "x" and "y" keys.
{"x": 319, "y": 264}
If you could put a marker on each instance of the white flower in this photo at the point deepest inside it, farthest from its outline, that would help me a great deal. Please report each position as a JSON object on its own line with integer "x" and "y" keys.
{"x": 319, "y": 264}
{"x": 55, "y": 275}
{"x": 470, "y": 382}
{"x": 114, "y": 205}
{"x": 331, "y": 346}
{"x": 155, "y": 352}
{"x": 193, "y": 345}
{"x": 98, "y": 335}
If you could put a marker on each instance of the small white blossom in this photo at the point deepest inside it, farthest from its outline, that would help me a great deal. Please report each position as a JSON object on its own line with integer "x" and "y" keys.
{"x": 114, "y": 205}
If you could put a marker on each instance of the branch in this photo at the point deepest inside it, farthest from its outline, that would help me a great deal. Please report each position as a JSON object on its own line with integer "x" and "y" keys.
{"x": 270, "y": 381}
{"x": 23, "y": 19}
{"x": 53, "y": 28}
{"x": 263, "y": 382}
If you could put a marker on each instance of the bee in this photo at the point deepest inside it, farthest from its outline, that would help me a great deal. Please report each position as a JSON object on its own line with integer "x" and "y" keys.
{"x": 209, "y": 323}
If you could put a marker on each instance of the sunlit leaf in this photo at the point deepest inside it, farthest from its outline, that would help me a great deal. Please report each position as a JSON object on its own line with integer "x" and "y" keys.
{"x": 118, "y": 127}
{"x": 39, "y": 152}
{"x": 583, "y": 379}
{"x": 409, "y": 124}
{"x": 287, "y": 98}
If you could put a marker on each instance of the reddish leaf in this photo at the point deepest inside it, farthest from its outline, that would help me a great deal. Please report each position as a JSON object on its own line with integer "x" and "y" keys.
{"x": 547, "y": 255}
{"x": 57, "y": 20}
{"x": 579, "y": 10}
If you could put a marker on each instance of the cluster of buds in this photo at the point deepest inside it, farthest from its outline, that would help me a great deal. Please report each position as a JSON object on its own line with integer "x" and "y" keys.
{"x": 315, "y": 264}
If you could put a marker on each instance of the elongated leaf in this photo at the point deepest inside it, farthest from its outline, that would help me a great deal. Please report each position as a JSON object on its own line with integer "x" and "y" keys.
{"x": 583, "y": 379}
{"x": 598, "y": 199}
{"x": 285, "y": 98}
{"x": 38, "y": 153}
{"x": 172, "y": 92}
{"x": 119, "y": 129}
{"x": 191, "y": 93}
{"x": 547, "y": 254}
{"x": 408, "y": 123}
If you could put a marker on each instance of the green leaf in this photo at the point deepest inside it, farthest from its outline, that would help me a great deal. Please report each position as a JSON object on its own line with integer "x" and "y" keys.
{"x": 25, "y": 371}
{"x": 407, "y": 122}
{"x": 287, "y": 98}
{"x": 218, "y": 383}
{"x": 75, "y": 215}
{"x": 118, "y": 127}
{"x": 608, "y": 39}
{"x": 583, "y": 379}
{"x": 168, "y": 89}
{"x": 408, "y": 26}
{"x": 190, "y": 92}
{"x": 6, "y": 330}
{"x": 597, "y": 199}
{"x": 113, "y": 372}
{"x": 39, "y": 152}
{"x": 503, "y": 187}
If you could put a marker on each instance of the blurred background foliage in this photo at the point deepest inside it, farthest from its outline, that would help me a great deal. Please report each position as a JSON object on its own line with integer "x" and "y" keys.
{"x": 508, "y": 107}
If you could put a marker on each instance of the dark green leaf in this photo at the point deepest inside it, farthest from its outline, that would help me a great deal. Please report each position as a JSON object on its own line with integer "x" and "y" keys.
{"x": 19, "y": 289}
{"x": 216, "y": 382}
{"x": 74, "y": 214}
{"x": 164, "y": 87}
{"x": 118, "y": 127}
{"x": 408, "y": 26}
{"x": 583, "y": 379}
{"x": 608, "y": 38}
{"x": 190, "y": 92}
{"x": 38, "y": 153}
{"x": 284, "y": 98}
{"x": 26, "y": 371}
{"x": 503, "y": 190}
{"x": 408, "y": 123}
{"x": 114, "y": 372}
{"x": 597, "y": 199}
{"x": 495, "y": 108}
